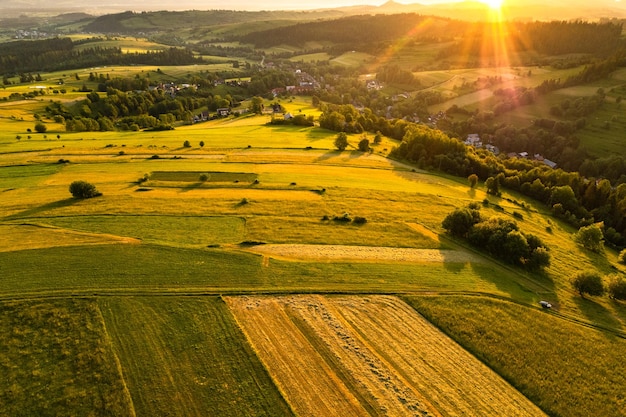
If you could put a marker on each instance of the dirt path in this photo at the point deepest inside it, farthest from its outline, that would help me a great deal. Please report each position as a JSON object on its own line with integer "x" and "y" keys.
{"x": 364, "y": 253}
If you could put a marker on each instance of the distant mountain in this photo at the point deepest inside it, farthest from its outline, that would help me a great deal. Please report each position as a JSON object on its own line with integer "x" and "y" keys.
{"x": 467, "y": 10}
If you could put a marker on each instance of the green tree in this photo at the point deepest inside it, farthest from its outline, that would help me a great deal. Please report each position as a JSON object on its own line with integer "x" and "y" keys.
{"x": 83, "y": 189}
{"x": 364, "y": 145}
{"x": 617, "y": 287}
{"x": 590, "y": 237}
{"x": 40, "y": 128}
{"x": 622, "y": 257}
{"x": 341, "y": 142}
{"x": 588, "y": 282}
{"x": 187, "y": 144}
{"x": 202, "y": 144}
{"x": 473, "y": 180}
{"x": 493, "y": 186}
{"x": 256, "y": 105}
{"x": 460, "y": 221}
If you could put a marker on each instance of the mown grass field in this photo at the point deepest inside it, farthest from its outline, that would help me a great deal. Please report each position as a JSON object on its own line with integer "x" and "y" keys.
{"x": 187, "y": 357}
{"x": 544, "y": 355}
{"x": 155, "y": 255}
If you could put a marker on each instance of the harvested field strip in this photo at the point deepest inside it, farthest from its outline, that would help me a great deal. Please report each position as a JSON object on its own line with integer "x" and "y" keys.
{"x": 386, "y": 355}
{"x": 365, "y": 253}
{"x": 187, "y": 357}
{"x": 194, "y": 176}
{"x": 27, "y": 236}
{"x": 308, "y": 383}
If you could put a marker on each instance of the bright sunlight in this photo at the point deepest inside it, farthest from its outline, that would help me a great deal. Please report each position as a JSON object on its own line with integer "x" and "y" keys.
{"x": 494, "y": 4}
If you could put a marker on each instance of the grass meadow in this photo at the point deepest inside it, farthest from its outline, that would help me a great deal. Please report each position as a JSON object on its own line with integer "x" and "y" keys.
{"x": 544, "y": 355}
{"x": 209, "y": 364}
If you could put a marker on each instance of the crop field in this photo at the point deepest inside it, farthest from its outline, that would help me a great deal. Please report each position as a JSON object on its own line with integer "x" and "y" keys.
{"x": 337, "y": 356}
{"x": 542, "y": 353}
{"x": 187, "y": 356}
{"x": 56, "y": 359}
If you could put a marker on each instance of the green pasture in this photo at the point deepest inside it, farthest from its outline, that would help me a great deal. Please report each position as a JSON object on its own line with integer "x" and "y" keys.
{"x": 352, "y": 59}
{"x": 137, "y": 269}
{"x": 57, "y": 359}
{"x": 172, "y": 230}
{"x": 188, "y": 356}
{"x": 563, "y": 367}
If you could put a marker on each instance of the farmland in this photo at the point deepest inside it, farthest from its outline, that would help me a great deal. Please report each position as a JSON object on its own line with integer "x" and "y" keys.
{"x": 233, "y": 267}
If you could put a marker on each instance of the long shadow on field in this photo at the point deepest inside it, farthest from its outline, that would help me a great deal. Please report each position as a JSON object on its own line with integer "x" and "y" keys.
{"x": 598, "y": 314}
{"x": 328, "y": 155}
{"x": 35, "y": 211}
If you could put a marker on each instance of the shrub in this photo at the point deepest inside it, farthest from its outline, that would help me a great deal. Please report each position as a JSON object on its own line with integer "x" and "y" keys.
{"x": 617, "y": 288}
{"x": 622, "y": 257}
{"x": 359, "y": 220}
{"x": 588, "y": 282}
{"x": 83, "y": 189}
{"x": 518, "y": 216}
{"x": 204, "y": 177}
{"x": 345, "y": 218}
{"x": 187, "y": 144}
{"x": 40, "y": 128}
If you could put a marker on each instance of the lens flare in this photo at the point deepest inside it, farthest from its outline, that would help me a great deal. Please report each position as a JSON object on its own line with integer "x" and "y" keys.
{"x": 494, "y": 4}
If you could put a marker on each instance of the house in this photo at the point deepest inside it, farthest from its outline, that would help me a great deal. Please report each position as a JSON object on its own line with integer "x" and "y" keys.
{"x": 223, "y": 112}
{"x": 474, "y": 140}
{"x": 549, "y": 163}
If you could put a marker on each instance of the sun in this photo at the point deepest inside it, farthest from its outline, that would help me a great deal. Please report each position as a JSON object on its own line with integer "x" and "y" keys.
{"x": 494, "y": 4}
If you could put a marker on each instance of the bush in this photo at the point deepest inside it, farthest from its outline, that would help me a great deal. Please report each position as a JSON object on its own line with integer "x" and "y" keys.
{"x": 83, "y": 189}
{"x": 204, "y": 177}
{"x": 617, "y": 288}
{"x": 588, "y": 282}
{"x": 359, "y": 220}
{"x": 187, "y": 144}
{"x": 40, "y": 128}
{"x": 622, "y": 257}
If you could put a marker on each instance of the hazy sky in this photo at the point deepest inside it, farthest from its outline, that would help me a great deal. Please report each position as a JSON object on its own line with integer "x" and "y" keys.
{"x": 268, "y": 4}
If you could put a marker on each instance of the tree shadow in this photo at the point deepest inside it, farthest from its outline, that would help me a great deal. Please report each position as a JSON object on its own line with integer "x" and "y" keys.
{"x": 328, "y": 155}
{"x": 597, "y": 313}
{"x": 35, "y": 211}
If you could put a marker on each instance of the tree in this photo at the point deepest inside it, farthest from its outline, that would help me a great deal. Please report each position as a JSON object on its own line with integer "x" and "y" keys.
{"x": 83, "y": 189}
{"x": 341, "y": 142}
{"x": 473, "y": 180}
{"x": 461, "y": 221}
{"x": 622, "y": 257}
{"x": 590, "y": 237}
{"x": 256, "y": 105}
{"x": 202, "y": 144}
{"x": 378, "y": 138}
{"x": 617, "y": 288}
{"x": 364, "y": 145}
{"x": 588, "y": 282}
{"x": 493, "y": 186}
{"x": 187, "y": 144}
{"x": 40, "y": 128}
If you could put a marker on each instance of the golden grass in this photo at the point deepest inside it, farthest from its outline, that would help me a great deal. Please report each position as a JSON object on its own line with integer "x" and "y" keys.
{"x": 376, "y": 352}
{"x": 26, "y": 236}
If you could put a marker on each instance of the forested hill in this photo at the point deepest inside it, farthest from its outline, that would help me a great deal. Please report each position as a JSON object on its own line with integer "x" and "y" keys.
{"x": 19, "y": 57}
{"x": 131, "y": 22}
{"x": 357, "y": 30}
{"x": 548, "y": 38}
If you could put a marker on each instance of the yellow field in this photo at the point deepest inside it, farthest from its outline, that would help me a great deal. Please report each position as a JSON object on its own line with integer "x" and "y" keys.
{"x": 361, "y": 356}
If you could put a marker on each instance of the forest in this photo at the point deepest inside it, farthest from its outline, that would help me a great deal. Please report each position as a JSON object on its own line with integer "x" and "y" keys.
{"x": 56, "y": 54}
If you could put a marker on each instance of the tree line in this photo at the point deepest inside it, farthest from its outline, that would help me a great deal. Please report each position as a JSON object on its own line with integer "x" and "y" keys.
{"x": 61, "y": 53}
